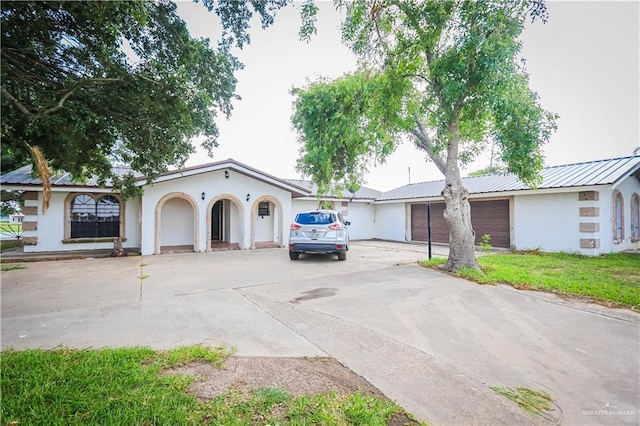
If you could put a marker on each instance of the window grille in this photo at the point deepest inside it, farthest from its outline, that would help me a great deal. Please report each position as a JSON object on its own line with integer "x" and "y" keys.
{"x": 263, "y": 209}
{"x": 95, "y": 219}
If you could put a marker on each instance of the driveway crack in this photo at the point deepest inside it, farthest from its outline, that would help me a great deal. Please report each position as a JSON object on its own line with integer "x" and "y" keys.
{"x": 248, "y": 299}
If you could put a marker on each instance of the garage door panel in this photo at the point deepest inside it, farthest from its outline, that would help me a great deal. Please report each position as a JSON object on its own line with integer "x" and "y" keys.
{"x": 491, "y": 217}
{"x": 439, "y": 228}
{"x": 487, "y": 217}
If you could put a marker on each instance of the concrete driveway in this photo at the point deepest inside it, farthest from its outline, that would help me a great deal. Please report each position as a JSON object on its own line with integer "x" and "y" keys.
{"x": 432, "y": 342}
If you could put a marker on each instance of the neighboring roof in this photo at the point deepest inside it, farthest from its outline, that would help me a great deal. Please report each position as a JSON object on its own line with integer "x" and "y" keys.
{"x": 592, "y": 173}
{"x": 363, "y": 193}
{"x": 24, "y": 176}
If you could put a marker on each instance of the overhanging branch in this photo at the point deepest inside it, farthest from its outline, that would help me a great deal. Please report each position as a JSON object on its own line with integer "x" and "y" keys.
{"x": 424, "y": 142}
{"x": 30, "y": 115}
{"x": 17, "y": 103}
{"x": 66, "y": 96}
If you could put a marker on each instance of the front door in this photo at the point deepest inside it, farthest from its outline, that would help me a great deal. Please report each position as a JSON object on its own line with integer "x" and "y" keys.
{"x": 216, "y": 221}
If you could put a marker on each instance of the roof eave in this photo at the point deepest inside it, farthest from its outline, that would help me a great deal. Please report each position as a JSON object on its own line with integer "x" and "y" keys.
{"x": 295, "y": 190}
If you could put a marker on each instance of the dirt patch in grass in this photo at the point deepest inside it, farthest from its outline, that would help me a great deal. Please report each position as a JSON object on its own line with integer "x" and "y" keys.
{"x": 297, "y": 376}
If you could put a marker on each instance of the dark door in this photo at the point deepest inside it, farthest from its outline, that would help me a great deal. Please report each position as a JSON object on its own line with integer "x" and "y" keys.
{"x": 216, "y": 221}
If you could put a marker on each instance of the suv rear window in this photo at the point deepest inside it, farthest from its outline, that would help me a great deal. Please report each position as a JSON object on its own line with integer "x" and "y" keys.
{"x": 315, "y": 218}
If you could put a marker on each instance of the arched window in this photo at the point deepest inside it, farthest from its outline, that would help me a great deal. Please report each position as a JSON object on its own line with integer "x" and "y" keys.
{"x": 618, "y": 217}
{"x": 326, "y": 205}
{"x": 635, "y": 217}
{"x": 94, "y": 219}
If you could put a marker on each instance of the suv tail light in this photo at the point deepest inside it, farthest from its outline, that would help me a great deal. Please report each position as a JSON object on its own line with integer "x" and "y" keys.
{"x": 336, "y": 226}
{"x": 295, "y": 226}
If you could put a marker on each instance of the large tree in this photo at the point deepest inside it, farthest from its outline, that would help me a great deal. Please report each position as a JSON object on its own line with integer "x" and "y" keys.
{"x": 445, "y": 74}
{"x": 86, "y": 85}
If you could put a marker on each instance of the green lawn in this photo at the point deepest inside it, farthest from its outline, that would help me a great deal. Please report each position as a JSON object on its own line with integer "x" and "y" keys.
{"x": 126, "y": 386}
{"x": 11, "y": 227}
{"x": 609, "y": 279}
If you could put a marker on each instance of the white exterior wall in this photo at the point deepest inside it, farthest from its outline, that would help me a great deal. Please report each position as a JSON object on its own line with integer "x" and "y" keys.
{"x": 177, "y": 223}
{"x": 214, "y": 184}
{"x": 362, "y": 218}
{"x": 299, "y": 205}
{"x": 551, "y": 222}
{"x": 51, "y": 225}
{"x": 547, "y": 221}
{"x": 390, "y": 221}
{"x": 605, "y": 219}
{"x": 265, "y": 225}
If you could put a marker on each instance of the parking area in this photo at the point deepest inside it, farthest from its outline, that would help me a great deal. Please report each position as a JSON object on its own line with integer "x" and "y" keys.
{"x": 430, "y": 341}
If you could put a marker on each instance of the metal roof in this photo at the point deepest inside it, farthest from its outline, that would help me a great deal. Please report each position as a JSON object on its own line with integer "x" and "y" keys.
{"x": 592, "y": 173}
{"x": 362, "y": 193}
{"x": 24, "y": 176}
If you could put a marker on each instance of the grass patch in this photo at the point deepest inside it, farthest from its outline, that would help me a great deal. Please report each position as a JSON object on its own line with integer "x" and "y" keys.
{"x": 273, "y": 406}
{"x": 534, "y": 402}
{"x": 184, "y": 355}
{"x": 612, "y": 279}
{"x": 8, "y": 244}
{"x": 106, "y": 386}
{"x": 13, "y": 267}
{"x": 127, "y": 386}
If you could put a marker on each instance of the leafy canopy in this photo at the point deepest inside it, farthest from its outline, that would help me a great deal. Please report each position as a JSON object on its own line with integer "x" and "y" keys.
{"x": 446, "y": 74}
{"x": 90, "y": 84}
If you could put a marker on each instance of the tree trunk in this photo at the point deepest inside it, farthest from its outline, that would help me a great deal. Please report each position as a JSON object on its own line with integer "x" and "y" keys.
{"x": 457, "y": 212}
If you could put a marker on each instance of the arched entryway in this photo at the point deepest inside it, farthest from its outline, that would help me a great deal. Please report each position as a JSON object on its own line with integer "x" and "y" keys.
{"x": 224, "y": 223}
{"x": 176, "y": 224}
{"x": 266, "y": 223}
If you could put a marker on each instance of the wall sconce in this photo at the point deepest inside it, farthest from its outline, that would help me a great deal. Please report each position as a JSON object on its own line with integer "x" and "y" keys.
{"x": 226, "y": 174}
{"x": 203, "y": 195}
{"x": 248, "y": 197}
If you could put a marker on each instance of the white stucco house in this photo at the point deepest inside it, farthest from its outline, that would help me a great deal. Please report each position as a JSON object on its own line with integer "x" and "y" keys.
{"x": 587, "y": 208}
{"x": 590, "y": 208}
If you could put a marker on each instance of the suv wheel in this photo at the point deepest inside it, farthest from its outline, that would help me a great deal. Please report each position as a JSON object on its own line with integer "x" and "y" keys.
{"x": 293, "y": 255}
{"x": 342, "y": 255}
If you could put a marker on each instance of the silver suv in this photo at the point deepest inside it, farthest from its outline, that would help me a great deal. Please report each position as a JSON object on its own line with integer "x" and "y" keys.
{"x": 319, "y": 231}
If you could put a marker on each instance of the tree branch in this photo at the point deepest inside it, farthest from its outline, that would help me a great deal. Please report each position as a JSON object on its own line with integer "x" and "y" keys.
{"x": 424, "y": 143}
{"x": 30, "y": 115}
{"x": 420, "y": 76}
{"x": 91, "y": 81}
{"x": 17, "y": 103}
{"x": 60, "y": 103}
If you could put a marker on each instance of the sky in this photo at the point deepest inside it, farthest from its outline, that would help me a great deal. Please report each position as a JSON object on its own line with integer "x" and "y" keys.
{"x": 583, "y": 63}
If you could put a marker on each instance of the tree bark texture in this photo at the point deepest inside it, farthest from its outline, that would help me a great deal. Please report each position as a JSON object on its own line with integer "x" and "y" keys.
{"x": 457, "y": 212}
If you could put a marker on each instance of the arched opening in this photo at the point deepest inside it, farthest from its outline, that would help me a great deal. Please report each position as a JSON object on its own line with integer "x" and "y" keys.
{"x": 266, "y": 223}
{"x": 635, "y": 217}
{"x": 224, "y": 223}
{"x": 618, "y": 217}
{"x": 176, "y": 224}
{"x": 326, "y": 205}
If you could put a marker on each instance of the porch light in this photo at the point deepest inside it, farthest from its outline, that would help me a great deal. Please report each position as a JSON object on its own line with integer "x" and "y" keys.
{"x": 203, "y": 195}
{"x": 226, "y": 174}
{"x": 248, "y": 197}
